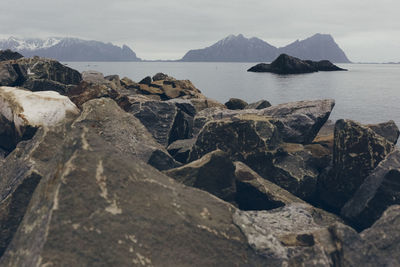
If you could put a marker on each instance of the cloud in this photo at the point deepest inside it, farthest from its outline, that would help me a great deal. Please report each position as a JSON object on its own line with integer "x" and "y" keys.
{"x": 167, "y": 29}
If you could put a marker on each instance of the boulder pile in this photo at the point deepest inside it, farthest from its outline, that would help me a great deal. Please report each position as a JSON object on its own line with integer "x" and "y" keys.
{"x": 103, "y": 171}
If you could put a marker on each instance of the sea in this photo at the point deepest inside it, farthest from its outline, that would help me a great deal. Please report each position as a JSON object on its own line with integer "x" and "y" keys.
{"x": 367, "y": 93}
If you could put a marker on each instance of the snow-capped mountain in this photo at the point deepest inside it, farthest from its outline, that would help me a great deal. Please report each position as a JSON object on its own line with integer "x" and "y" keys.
{"x": 241, "y": 49}
{"x": 69, "y": 49}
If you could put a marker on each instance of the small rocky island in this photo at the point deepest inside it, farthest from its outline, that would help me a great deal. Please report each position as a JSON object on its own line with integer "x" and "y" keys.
{"x": 285, "y": 64}
{"x": 105, "y": 171}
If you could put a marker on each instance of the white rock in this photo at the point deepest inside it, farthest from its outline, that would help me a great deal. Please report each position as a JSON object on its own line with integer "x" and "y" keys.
{"x": 26, "y": 108}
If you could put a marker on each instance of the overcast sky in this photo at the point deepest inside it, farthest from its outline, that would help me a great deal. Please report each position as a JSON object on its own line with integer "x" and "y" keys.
{"x": 367, "y": 30}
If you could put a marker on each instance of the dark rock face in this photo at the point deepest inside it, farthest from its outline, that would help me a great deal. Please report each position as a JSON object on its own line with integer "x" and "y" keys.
{"x": 261, "y": 104}
{"x": 38, "y": 74}
{"x": 180, "y": 149}
{"x": 285, "y": 64}
{"x": 213, "y": 173}
{"x": 291, "y": 166}
{"x": 103, "y": 117}
{"x": 294, "y": 235}
{"x": 160, "y": 76}
{"x": 92, "y": 204}
{"x": 376, "y": 194}
{"x": 86, "y": 91}
{"x": 146, "y": 80}
{"x": 164, "y": 120}
{"x": 237, "y": 137}
{"x": 357, "y": 151}
{"x": 256, "y": 193}
{"x": 9, "y": 55}
{"x": 389, "y": 130}
{"x": 236, "y": 103}
{"x": 385, "y": 233}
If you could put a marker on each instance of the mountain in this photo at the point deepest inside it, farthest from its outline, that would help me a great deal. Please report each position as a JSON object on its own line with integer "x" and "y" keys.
{"x": 317, "y": 47}
{"x": 241, "y": 49}
{"x": 69, "y": 49}
{"x": 234, "y": 49}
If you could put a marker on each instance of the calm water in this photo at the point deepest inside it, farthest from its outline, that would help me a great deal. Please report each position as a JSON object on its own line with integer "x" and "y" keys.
{"x": 367, "y": 93}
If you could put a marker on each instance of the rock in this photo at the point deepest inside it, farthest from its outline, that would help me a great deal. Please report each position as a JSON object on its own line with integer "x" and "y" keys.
{"x": 291, "y": 166}
{"x": 164, "y": 120}
{"x": 213, "y": 173}
{"x": 385, "y": 234}
{"x": 129, "y": 84}
{"x": 97, "y": 205}
{"x": 285, "y": 64}
{"x": 261, "y": 104}
{"x": 146, "y": 80}
{"x": 160, "y": 76}
{"x": 21, "y": 172}
{"x": 114, "y": 79}
{"x": 41, "y": 68}
{"x": 92, "y": 76}
{"x": 103, "y": 117}
{"x": 389, "y": 130}
{"x": 376, "y": 194}
{"x": 201, "y": 104}
{"x": 86, "y": 91}
{"x": 22, "y": 112}
{"x": 357, "y": 151}
{"x": 255, "y": 193}
{"x": 298, "y": 122}
{"x": 301, "y": 120}
{"x": 294, "y": 235}
{"x": 9, "y": 55}
{"x": 9, "y": 74}
{"x": 180, "y": 149}
{"x": 236, "y": 103}
{"x": 36, "y": 85}
{"x": 237, "y": 137}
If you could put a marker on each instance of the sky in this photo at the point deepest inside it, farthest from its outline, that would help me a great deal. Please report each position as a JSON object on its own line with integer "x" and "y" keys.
{"x": 367, "y": 30}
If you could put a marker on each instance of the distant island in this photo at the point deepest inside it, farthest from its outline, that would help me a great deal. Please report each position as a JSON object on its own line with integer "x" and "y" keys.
{"x": 69, "y": 49}
{"x": 241, "y": 49}
{"x": 286, "y": 64}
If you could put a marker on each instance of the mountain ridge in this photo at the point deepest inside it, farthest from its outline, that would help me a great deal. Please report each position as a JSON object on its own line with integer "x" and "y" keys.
{"x": 69, "y": 49}
{"x": 237, "y": 48}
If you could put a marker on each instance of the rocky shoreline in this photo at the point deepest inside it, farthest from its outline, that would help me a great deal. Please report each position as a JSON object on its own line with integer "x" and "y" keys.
{"x": 103, "y": 171}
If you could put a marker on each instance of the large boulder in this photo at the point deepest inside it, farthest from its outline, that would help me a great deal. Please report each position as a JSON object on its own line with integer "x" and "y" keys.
{"x": 105, "y": 118}
{"x": 86, "y": 91}
{"x": 9, "y": 55}
{"x": 180, "y": 149}
{"x": 388, "y": 129}
{"x": 236, "y": 103}
{"x": 300, "y": 235}
{"x": 384, "y": 234}
{"x": 256, "y": 193}
{"x": 298, "y": 122}
{"x": 96, "y": 205}
{"x": 379, "y": 191}
{"x": 238, "y": 137}
{"x": 301, "y": 120}
{"x": 213, "y": 173}
{"x": 285, "y": 64}
{"x": 167, "y": 121}
{"x": 357, "y": 151}
{"x": 22, "y": 112}
{"x": 38, "y": 74}
{"x": 261, "y": 104}
{"x": 293, "y": 167}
